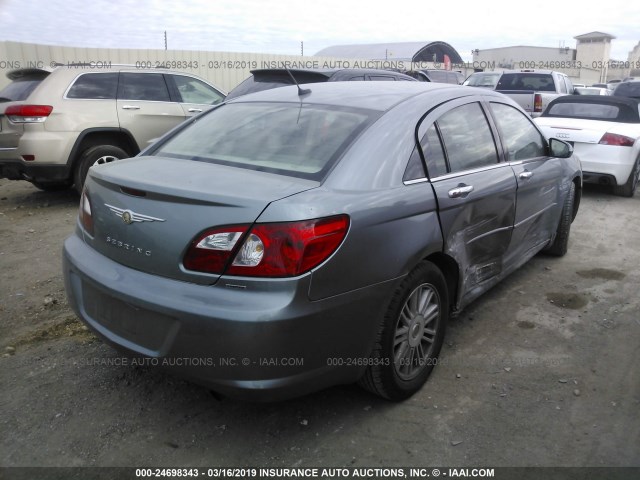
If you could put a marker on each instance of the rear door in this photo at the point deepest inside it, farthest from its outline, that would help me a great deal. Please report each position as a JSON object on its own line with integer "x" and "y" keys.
{"x": 476, "y": 194}
{"x": 145, "y": 107}
{"x": 538, "y": 176}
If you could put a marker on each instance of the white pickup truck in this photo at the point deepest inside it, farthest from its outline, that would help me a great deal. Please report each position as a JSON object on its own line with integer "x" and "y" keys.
{"x": 534, "y": 89}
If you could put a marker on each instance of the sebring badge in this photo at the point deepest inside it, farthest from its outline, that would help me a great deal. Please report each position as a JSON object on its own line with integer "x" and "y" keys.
{"x": 130, "y": 217}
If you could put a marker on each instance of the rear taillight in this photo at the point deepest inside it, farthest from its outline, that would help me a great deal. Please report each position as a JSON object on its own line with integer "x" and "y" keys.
{"x": 85, "y": 212}
{"x": 210, "y": 252}
{"x": 268, "y": 249}
{"x": 537, "y": 103}
{"x": 617, "y": 140}
{"x": 28, "y": 113}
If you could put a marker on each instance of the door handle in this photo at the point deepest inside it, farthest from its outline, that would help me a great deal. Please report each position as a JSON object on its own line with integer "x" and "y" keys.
{"x": 193, "y": 110}
{"x": 130, "y": 107}
{"x": 525, "y": 175}
{"x": 460, "y": 191}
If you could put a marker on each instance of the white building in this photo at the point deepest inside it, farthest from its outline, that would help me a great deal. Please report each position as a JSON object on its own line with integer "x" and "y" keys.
{"x": 589, "y": 62}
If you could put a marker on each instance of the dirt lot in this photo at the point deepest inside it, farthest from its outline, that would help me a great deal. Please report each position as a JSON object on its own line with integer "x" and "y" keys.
{"x": 544, "y": 370}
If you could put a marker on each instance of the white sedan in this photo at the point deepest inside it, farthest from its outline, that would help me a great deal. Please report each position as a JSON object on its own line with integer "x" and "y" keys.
{"x": 605, "y": 134}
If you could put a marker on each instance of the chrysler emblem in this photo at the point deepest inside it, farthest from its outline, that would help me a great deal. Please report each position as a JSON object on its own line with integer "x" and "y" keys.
{"x": 129, "y": 216}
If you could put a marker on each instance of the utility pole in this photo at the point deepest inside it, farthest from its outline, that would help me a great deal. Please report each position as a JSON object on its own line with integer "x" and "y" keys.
{"x": 301, "y": 48}
{"x": 165, "y": 39}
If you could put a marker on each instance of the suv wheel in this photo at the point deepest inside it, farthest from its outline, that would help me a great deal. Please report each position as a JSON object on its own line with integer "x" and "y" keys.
{"x": 95, "y": 156}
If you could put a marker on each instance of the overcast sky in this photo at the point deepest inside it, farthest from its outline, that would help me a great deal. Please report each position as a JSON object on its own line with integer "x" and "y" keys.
{"x": 280, "y": 26}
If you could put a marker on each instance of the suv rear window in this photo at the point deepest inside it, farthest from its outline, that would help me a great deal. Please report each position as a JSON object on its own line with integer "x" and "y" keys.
{"x": 95, "y": 86}
{"x": 538, "y": 82}
{"x": 628, "y": 89}
{"x": 290, "y": 139}
{"x": 22, "y": 87}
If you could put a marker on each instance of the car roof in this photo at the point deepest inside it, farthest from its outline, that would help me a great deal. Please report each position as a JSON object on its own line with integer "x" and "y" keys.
{"x": 629, "y": 112}
{"x": 381, "y": 96}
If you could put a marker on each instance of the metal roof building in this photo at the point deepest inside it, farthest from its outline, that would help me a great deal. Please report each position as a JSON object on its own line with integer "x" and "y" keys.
{"x": 409, "y": 51}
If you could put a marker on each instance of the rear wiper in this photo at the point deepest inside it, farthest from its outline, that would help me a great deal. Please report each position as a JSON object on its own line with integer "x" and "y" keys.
{"x": 5, "y": 99}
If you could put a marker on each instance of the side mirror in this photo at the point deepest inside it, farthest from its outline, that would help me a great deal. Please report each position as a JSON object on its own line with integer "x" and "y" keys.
{"x": 560, "y": 148}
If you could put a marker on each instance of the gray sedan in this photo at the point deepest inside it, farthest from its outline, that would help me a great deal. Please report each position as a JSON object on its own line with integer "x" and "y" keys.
{"x": 290, "y": 240}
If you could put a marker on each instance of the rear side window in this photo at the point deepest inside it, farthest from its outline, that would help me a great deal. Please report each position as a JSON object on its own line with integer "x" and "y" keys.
{"x": 94, "y": 86}
{"x": 21, "y": 88}
{"x": 433, "y": 155}
{"x": 286, "y": 138}
{"x": 143, "y": 86}
{"x": 520, "y": 138}
{"x": 467, "y": 138}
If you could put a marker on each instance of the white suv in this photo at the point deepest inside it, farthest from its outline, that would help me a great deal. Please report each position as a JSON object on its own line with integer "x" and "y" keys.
{"x": 56, "y": 124}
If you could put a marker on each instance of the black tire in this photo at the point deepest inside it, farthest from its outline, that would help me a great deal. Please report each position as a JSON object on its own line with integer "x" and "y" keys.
{"x": 561, "y": 243}
{"x": 403, "y": 335}
{"x": 94, "y": 155}
{"x": 631, "y": 185}
{"x": 52, "y": 186}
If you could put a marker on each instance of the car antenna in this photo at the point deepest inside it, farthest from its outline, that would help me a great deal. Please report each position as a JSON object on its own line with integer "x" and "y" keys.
{"x": 301, "y": 91}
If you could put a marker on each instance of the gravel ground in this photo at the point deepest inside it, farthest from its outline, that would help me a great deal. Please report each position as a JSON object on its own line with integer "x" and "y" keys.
{"x": 544, "y": 370}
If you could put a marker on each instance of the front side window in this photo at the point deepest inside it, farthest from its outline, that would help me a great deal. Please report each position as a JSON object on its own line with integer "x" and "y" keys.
{"x": 286, "y": 138}
{"x": 143, "y": 86}
{"x": 520, "y": 138}
{"x": 95, "y": 86}
{"x": 467, "y": 138}
{"x": 193, "y": 90}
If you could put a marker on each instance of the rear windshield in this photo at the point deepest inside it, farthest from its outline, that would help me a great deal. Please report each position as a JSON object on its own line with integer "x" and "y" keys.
{"x": 538, "y": 82}
{"x": 267, "y": 80}
{"x": 286, "y": 138}
{"x": 482, "y": 80}
{"x": 21, "y": 88}
{"x": 628, "y": 89}
{"x": 592, "y": 111}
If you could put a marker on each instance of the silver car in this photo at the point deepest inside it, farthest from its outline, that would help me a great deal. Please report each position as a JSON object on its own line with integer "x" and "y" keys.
{"x": 291, "y": 239}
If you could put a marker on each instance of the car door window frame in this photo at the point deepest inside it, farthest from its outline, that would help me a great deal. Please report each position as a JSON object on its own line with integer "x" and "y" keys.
{"x": 75, "y": 80}
{"x": 175, "y": 94}
{"x": 431, "y": 116}
{"x": 121, "y": 85}
{"x": 502, "y": 143}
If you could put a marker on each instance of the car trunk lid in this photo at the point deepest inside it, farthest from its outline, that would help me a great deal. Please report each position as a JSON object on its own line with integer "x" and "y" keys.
{"x": 147, "y": 210}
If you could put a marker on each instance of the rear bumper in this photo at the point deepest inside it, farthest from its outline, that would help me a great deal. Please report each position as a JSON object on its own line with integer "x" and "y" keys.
{"x": 257, "y": 344}
{"x": 15, "y": 169}
{"x": 606, "y": 164}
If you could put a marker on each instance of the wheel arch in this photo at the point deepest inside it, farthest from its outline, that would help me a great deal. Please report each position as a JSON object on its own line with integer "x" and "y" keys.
{"x": 578, "y": 196}
{"x": 451, "y": 271}
{"x": 91, "y": 137}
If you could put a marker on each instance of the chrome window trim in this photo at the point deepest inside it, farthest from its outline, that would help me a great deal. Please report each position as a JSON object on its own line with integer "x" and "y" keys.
{"x": 415, "y": 181}
{"x": 468, "y": 172}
